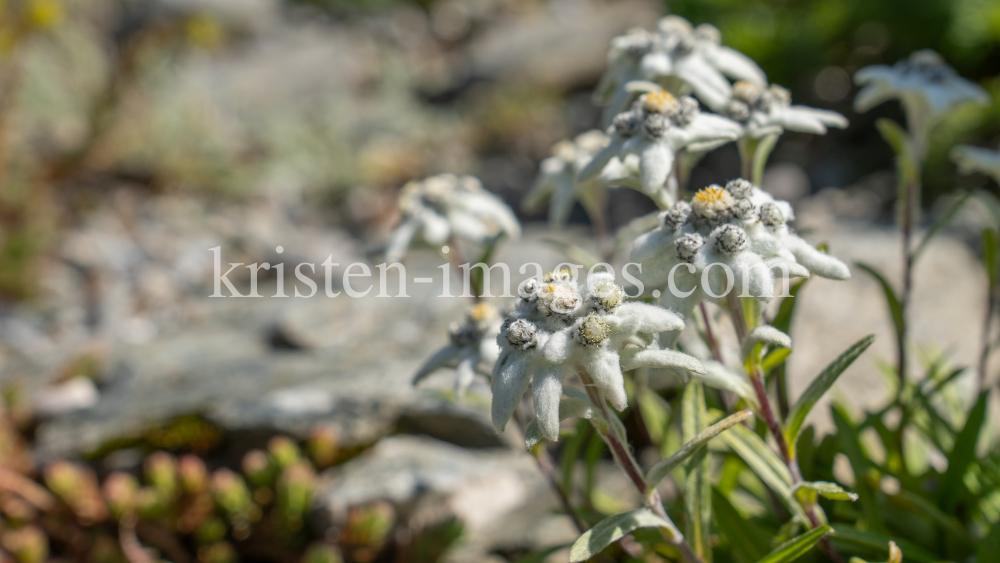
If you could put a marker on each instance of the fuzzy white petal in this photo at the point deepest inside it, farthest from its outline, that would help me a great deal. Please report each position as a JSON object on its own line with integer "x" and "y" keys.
{"x": 444, "y": 357}
{"x": 656, "y": 162}
{"x": 765, "y": 334}
{"x": 547, "y": 388}
{"x": 510, "y": 381}
{"x": 663, "y": 359}
{"x": 819, "y": 263}
{"x": 603, "y": 366}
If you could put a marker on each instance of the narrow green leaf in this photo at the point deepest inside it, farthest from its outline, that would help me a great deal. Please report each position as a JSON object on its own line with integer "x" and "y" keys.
{"x": 775, "y": 358}
{"x": 808, "y": 490}
{"x": 868, "y": 541}
{"x": 847, "y": 436}
{"x": 797, "y": 546}
{"x": 610, "y": 530}
{"x": 989, "y": 239}
{"x": 655, "y": 414}
{"x": 926, "y": 508}
{"x": 941, "y": 223}
{"x": 962, "y": 454}
{"x": 721, "y": 377}
{"x": 821, "y": 385}
{"x": 697, "y": 486}
{"x": 895, "y": 307}
{"x": 744, "y": 537}
{"x": 765, "y": 463}
{"x": 897, "y": 137}
{"x": 661, "y": 470}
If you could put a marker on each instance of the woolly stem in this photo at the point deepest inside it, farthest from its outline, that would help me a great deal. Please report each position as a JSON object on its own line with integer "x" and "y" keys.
{"x": 624, "y": 460}
{"x": 774, "y": 426}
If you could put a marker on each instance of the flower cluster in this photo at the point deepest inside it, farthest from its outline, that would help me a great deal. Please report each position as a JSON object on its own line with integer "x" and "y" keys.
{"x": 646, "y": 138}
{"x": 740, "y": 227}
{"x": 472, "y": 348}
{"x": 557, "y": 181}
{"x": 559, "y": 328}
{"x": 445, "y": 207}
{"x": 925, "y": 85}
{"x": 675, "y": 52}
{"x": 766, "y": 111}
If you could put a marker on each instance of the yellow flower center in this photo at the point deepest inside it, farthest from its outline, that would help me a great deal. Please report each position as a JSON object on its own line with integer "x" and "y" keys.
{"x": 711, "y": 202}
{"x": 659, "y": 102}
{"x": 482, "y": 312}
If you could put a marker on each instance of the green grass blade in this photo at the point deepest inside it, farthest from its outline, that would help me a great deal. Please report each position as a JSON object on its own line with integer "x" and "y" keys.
{"x": 744, "y": 537}
{"x": 661, "y": 470}
{"x": 819, "y": 386}
{"x": 895, "y": 307}
{"x": 989, "y": 240}
{"x": 877, "y": 544}
{"x": 847, "y": 436}
{"x": 797, "y": 546}
{"x": 697, "y": 486}
{"x": 962, "y": 455}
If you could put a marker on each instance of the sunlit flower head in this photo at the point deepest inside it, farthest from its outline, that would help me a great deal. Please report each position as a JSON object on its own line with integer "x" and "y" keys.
{"x": 560, "y": 327}
{"x": 445, "y": 207}
{"x": 763, "y": 111}
{"x": 646, "y": 138}
{"x": 738, "y": 227}
{"x": 925, "y": 85}
{"x": 472, "y": 348}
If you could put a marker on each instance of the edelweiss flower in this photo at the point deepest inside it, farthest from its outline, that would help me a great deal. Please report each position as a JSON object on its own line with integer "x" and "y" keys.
{"x": 557, "y": 329}
{"x": 657, "y": 126}
{"x": 740, "y": 227}
{"x": 924, "y": 83}
{"x": 557, "y": 179}
{"x": 473, "y": 348}
{"x": 675, "y": 51}
{"x": 445, "y": 206}
{"x": 763, "y": 112}
{"x": 977, "y": 159}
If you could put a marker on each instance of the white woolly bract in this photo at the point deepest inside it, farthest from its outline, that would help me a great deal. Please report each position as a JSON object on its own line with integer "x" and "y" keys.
{"x": 765, "y": 334}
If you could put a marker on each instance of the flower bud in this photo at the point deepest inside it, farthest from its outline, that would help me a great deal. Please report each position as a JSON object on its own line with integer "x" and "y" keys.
{"x": 521, "y": 334}
{"x": 259, "y": 468}
{"x": 656, "y": 125}
{"x": 659, "y": 102}
{"x": 161, "y": 472}
{"x": 323, "y": 446}
{"x": 739, "y": 188}
{"x": 558, "y": 298}
{"x": 28, "y": 544}
{"x": 689, "y": 245}
{"x": 746, "y": 92}
{"x": 230, "y": 492}
{"x": 677, "y": 216}
{"x": 684, "y": 111}
{"x": 730, "y": 239}
{"x": 593, "y": 330}
{"x": 121, "y": 493}
{"x": 283, "y": 451}
{"x": 744, "y": 210}
{"x": 192, "y": 473}
{"x": 608, "y": 294}
{"x": 737, "y": 110}
{"x": 771, "y": 215}
{"x": 294, "y": 493}
{"x": 627, "y": 123}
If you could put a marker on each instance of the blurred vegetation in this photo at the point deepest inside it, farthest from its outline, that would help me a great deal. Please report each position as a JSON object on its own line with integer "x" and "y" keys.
{"x": 178, "y": 508}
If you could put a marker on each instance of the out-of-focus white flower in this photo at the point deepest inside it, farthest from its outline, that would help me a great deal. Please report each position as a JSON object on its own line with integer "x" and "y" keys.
{"x": 559, "y": 328}
{"x": 679, "y": 57}
{"x": 766, "y": 111}
{"x": 740, "y": 228}
{"x": 473, "y": 348}
{"x": 557, "y": 179}
{"x": 977, "y": 159}
{"x": 656, "y": 127}
{"x": 449, "y": 206}
{"x": 925, "y": 85}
